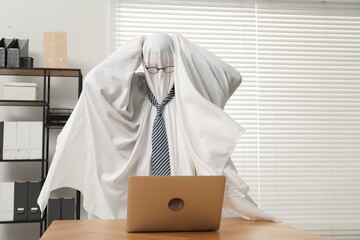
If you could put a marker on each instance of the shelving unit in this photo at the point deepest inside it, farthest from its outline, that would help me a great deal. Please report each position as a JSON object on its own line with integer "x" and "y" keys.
{"x": 44, "y": 103}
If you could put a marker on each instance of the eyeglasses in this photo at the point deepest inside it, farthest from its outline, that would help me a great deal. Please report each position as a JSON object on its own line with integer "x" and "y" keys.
{"x": 154, "y": 70}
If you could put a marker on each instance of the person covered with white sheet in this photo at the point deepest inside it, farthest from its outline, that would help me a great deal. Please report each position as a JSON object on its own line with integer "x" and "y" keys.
{"x": 108, "y": 137}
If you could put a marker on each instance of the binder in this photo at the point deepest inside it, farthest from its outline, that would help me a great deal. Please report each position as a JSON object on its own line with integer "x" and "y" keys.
{"x": 23, "y": 140}
{"x": 9, "y": 140}
{"x": 17, "y": 49}
{"x": 1, "y": 140}
{"x": 33, "y": 194}
{"x": 67, "y": 208}
{"x": 4, "y": 44}
{"x": 20, "y": 201}
{"x": 36, "y": 136}
{"x": 6, "y": 201}
{"x": 54, "y": 210}
{"x": 57, "y": 116}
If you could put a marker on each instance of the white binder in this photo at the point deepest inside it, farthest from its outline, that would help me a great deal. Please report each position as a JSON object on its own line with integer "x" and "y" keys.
{"x": 36, "y": 135}
{"x": 23, "y": 140}
{"x": 9, "y": 145}
{"x": 6, "y": 201}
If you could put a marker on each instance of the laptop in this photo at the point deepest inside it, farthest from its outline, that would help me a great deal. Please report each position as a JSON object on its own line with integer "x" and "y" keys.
{"x": 174, "y": 203}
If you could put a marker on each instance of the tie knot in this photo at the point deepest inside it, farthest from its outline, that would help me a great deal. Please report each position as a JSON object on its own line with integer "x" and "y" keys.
{"x": 160, "y": 109}
{"x": 160, "y": 106}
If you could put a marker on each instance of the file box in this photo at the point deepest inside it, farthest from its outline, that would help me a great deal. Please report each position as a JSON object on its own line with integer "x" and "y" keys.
{"x": 19, "y": 91}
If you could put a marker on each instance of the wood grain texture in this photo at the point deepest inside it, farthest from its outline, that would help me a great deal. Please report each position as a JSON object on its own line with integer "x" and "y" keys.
{"x": 231, "y": 228}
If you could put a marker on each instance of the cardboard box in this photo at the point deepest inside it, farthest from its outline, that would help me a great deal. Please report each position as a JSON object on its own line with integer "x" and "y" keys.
{"x": 19, "y": 91}
{"x": 55, "y": 49}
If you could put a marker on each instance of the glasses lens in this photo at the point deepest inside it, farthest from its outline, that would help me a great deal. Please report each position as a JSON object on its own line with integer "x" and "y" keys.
{"x": 169, "y": 69}
{"x": 153, "y": 70}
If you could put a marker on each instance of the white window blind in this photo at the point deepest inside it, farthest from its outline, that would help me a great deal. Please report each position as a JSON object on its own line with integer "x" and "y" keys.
{"x": 299, "y": 100}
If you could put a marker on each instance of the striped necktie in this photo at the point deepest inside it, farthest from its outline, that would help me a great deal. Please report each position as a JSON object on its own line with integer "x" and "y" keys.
{"x": 160, "y": 159}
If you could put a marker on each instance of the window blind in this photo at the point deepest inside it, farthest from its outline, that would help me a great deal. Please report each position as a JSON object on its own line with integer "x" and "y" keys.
{"x": 299, "y": 100}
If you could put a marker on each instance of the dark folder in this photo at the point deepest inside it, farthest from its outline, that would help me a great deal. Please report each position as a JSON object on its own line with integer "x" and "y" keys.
{"x": 54, "y": 210}
{"x": 17, "y": 49}
{"x": 4, "y": 44}
{"x": 20, "y": 201}
{"x": 67, "y": 208}
{"x": 1, "y": 140}
{"x": 33, "y": 194}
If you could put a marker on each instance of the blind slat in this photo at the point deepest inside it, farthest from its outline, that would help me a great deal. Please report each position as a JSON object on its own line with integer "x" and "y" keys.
{"x": 299, "y": 100}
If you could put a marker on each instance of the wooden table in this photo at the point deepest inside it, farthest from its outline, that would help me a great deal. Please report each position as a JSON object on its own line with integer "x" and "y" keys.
{"x": 232, "y": 229}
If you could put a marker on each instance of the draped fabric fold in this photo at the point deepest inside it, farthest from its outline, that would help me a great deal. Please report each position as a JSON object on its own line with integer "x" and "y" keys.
{"x": 108, "y": 136}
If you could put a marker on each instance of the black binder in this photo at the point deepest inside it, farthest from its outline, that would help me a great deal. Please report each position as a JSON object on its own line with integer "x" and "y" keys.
{"x": 58, "y": 116}
{"x": 20, "y": 201}
{"x": 4, "y": 44}
{"x": 17, "y": 49}
{"x": 67, "y": 208}
{"x": 1, "y": 140}
{"x": 33, "y": 194}
{"x": 54, "y": 210}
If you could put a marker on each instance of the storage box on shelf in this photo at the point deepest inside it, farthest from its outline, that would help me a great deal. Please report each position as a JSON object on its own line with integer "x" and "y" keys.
{"x": 19, "y": 91}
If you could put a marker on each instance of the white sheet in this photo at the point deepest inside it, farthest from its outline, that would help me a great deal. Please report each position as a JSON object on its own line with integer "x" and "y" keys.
{"x": 108, "y": 136}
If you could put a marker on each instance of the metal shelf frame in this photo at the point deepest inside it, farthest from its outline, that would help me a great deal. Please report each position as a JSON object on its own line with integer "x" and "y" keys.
{"x": 46, "y": 74}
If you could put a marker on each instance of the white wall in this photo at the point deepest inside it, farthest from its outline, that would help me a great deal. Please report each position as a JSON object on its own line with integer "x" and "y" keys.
{"x": 86, "y": 23}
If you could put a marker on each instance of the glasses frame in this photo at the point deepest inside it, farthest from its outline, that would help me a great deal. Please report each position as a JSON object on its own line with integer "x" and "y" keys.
{"x": 158, "y": 69}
